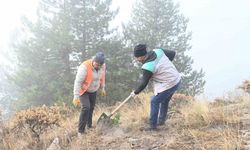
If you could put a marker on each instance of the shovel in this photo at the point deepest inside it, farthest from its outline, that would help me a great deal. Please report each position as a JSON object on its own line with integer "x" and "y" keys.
{"x": 106, "y": 119}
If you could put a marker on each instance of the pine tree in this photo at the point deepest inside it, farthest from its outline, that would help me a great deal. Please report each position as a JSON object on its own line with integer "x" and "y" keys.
{"x": 159, "y": 23}
{"x": 66, "y": 33}
{"x": 5, "y": 88}
{"x": 44, "y": 70}
{"x": 120, "y": 71}
{"x": 90, "y": 26}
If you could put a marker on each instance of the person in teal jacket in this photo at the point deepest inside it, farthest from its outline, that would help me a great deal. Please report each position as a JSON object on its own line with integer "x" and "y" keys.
{"x": 158, "y": 68}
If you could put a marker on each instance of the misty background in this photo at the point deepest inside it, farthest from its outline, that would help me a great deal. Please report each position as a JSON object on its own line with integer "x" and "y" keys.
{"x": 219, "y": 41}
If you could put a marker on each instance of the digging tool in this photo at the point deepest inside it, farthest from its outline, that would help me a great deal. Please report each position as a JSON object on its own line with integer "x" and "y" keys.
{"x": 106, "y": 119}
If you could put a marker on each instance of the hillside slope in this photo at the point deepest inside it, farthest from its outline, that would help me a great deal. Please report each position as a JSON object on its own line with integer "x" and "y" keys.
{"x": 192, "y": 124}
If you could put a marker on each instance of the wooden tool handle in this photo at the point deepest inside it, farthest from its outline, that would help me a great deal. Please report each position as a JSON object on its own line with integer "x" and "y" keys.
{"x": 120, "y": 105}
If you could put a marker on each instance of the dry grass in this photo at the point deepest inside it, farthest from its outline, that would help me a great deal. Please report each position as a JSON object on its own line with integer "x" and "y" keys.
{"x": 35, "y": 128}
{"x": 193, "y": 124}
{"x": 136, "y": 112}
{"x": 133, "y": 113}
{"x": 215, "y": 138}
{"x": 209, "y": 126}
{"x": 212, "y": 127}
{"x": 196, "y": 114}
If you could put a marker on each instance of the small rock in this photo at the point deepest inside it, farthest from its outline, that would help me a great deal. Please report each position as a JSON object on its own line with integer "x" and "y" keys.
{"x": 54, "y": 145}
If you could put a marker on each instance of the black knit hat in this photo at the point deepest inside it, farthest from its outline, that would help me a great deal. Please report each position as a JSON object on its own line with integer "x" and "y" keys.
{"x": 99, "y": 58}
{"x": 140, "y": 50}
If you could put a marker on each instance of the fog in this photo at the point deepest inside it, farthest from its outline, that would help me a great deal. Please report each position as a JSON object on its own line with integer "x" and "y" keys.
{"x": 220, "y": 37}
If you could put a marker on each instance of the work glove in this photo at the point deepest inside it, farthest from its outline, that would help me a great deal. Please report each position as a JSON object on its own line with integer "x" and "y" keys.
{"x": 132, "y": 94}
{"x": 103, "y": 92}
{"x": 76, "y": 102}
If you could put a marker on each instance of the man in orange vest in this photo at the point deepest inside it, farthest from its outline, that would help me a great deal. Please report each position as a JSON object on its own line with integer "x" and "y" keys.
{"x": 89, "y": 78}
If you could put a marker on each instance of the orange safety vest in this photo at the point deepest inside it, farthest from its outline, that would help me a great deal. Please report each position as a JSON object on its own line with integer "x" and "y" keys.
{"x": 88, "y": 79}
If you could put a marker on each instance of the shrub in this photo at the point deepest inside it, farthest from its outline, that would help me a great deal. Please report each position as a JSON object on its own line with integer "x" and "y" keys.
{"x": 245, "y": 86}
{"x": 38, "y": 119}
{"x": 178, "y": 101}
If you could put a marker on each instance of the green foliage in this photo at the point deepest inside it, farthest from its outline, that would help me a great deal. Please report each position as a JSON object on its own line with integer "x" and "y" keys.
{"x": 120, "y": 72}
{"x": 44, "y": 69}
{"x": 193, "y": 83}
{"x": 91, "y": 26}
{"x": 65, "y": 34}
{"x": 159, "y": 24}
{"x": 49, "y": 50}
{"x": 116, "y": 119}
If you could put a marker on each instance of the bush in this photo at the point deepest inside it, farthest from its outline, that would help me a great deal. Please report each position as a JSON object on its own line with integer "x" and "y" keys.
{"x": 116, "y": 119}
{"x": 245, "y": 86}
{"x": 38, "y": 119}
{"x": 179, "y": 100}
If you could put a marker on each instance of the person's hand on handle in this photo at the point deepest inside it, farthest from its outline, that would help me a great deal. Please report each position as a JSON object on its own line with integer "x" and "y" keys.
{"x": 132, "y": 94}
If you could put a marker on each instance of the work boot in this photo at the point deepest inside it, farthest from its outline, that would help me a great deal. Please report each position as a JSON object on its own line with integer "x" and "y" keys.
{"x": 161, "y": 123}
{"x": 150, "y": 128}
{"x": 90, "y": 128}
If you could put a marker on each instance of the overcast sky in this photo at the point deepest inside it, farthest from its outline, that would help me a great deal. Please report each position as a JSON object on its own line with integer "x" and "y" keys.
{"x": 220, "y": 42}
{"x": 220, "y": 36}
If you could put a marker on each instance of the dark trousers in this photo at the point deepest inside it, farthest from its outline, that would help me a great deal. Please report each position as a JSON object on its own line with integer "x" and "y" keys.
{"x": 159, "y": 103}
{"x": 87, "y": 108}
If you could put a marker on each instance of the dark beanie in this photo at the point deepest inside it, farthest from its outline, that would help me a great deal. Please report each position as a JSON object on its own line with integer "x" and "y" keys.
{"x": 99, "y": 58}
{"x": 140, "y": 50}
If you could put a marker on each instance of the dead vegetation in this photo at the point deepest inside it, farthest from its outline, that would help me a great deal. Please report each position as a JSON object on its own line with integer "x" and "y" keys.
{"x": 26, "y": 128}
{"x": 192, "y": 124}
{"x": 245, "y": 86}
